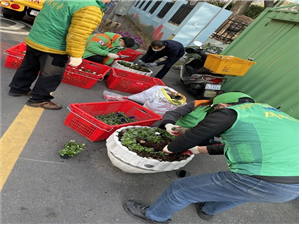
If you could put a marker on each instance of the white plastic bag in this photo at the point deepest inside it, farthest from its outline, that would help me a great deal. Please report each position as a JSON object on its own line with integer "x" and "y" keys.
{"x": 165, "y": 99}
{"x": 144, "y": 96}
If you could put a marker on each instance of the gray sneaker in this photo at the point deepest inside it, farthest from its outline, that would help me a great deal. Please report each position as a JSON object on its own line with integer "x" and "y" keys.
{"x": 138, "y": 210}
{"x": 202, "y": 214}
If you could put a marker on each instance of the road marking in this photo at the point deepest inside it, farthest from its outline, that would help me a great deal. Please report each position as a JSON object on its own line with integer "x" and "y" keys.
{"x": 15, "y": 138}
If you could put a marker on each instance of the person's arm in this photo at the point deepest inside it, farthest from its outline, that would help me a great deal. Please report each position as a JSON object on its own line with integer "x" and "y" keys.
{"x": 83, "y": 23}
{"x": 214, "y": 124}
{"x": 173, "y": 115}
{"x": 98, "y": 48}
{"x": 215, "y": 149}
{"x": 149, "y": 53}
{"x": 172, "y": 57}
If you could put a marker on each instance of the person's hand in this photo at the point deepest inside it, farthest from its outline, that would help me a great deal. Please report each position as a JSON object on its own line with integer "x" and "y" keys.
{"x": 111, "y": 55}
{"x": 75, "y": 61}
{"x": 166, "y": 150}
{"x": 194, "y": 150}
{"x": 199, "y": 150}
{"x": 150, "y": 64}
{"x": 169, "y": 128}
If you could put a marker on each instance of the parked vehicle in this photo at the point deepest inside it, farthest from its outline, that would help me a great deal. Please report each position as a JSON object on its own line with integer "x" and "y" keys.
{"x": 201, "y": 82}
{"x": 17, "y": 9}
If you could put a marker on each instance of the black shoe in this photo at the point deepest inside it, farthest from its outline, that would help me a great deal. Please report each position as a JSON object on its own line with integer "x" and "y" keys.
{"x": 138, "y": 210}
{"x": 202, "y": 214}
{"x": 18, "y": 94}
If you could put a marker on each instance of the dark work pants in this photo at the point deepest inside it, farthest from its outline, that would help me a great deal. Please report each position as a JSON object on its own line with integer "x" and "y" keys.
{"x": 51, "y": 67}
{"x": 166, "y": 67}
{"x": 96, "y": 58}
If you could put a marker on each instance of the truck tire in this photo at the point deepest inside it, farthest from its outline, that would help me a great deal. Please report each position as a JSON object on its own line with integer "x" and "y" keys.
{"x": 8, "y": 16}
{"x": 8, "y": 13}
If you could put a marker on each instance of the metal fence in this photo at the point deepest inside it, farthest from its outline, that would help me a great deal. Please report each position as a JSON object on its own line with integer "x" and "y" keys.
{"x": 229, "y": 30}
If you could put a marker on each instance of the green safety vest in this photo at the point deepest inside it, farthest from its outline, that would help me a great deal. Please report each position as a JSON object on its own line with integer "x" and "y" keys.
{"x": 63, "y": 11}
{"x": 263, "y": 141}
{"x": 191, "y": 119}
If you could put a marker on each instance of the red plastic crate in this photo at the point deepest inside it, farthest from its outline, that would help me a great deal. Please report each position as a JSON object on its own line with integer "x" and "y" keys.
{"x": 133, "y": 54}
{"x": 76, "y": 77}
{"x": 81, "y": 117}
{"x": 126, "y": 81}
{"x": 15, "y": 56}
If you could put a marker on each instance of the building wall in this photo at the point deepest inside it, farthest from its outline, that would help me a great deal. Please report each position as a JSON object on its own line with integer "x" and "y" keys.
{"x": 272, "y": 40}
{"x": 156, "y": 28}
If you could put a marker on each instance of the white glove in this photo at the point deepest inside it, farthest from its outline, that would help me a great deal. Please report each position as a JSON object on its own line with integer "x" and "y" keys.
{"x": 169, "y": 128}
{"x": 166, "y": 150}
{"x": 194, "y": 150}
{"x": 111, "y": 55}
{"x": 75, "y": 61}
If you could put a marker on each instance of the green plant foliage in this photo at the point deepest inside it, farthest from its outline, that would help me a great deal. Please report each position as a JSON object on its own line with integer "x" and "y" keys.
{"x": 145, "y": 134}
{"x": 72, "y": 148}
{"x": 135, "y": 67}
{"x": 117, "y": 118}
{"x": 253, "y": 11}
{"x": 221, "y": 4}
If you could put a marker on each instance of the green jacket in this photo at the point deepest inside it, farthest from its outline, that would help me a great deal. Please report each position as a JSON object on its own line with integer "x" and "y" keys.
{"x": 248, "y": 149}
{"x": 103, "y": 44}
{"x": 63, "y": 26}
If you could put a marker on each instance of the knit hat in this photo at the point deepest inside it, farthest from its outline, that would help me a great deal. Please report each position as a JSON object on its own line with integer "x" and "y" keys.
{"x": 230, "y": 97}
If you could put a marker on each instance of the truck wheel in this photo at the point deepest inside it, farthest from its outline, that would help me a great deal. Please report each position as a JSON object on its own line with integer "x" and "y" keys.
{"x": 8, "y": 13}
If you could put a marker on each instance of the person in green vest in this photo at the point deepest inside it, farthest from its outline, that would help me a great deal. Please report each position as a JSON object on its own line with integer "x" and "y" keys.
{"x": 261, "y": 147}
{"x": 57, "y": 38}
{"x": 103, "y": 48}
{"x": 185, "y": 117}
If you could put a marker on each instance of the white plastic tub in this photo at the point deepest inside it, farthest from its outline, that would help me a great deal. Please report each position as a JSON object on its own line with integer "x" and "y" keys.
{"x": 129, "y": 161}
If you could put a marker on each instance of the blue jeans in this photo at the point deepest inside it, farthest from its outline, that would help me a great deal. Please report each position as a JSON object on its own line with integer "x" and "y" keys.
{"x": 221, "y": 191}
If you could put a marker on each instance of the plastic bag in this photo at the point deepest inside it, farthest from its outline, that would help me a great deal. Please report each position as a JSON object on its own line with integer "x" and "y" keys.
{"x": 111, "y": 96}
{"x": 144, "y": 96}
{"x": 165, "y": 99}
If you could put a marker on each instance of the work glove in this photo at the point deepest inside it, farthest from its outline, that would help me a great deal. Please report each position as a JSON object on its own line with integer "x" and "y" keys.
{"x": 194, "y": 150}
{"x": 166, "y": 150}
{"x": 169, "y": 128}
{"x": 187, "y": 152}
{"x": 150, "y": 64}
{"x": 111, "y": 55}
{"x": 75, "y": 61}
{"x": 199, "y": 150}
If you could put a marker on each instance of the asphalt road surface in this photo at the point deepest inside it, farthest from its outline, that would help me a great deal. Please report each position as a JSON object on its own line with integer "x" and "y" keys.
{"x": 38, "y": 187}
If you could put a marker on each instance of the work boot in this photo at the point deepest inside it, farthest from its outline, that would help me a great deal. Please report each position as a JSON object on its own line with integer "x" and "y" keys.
{"x": 14, "y": 94}
{"x": 202, "y": 214}
{"x": 138, "y": 210}
{"x": 46, "y": 105}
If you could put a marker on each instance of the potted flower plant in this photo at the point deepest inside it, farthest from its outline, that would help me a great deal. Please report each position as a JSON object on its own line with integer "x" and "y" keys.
{"x": 138, "y": 149}
{"x": 71, "y": 148}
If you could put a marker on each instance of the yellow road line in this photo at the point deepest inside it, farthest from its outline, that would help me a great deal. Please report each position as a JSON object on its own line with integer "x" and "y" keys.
{"x": 15, "y": 138}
